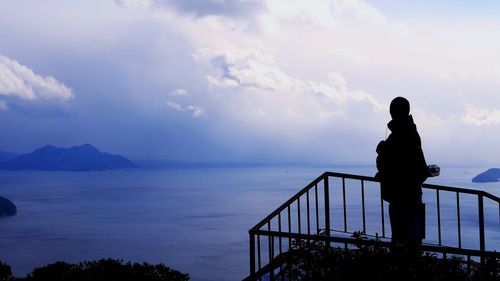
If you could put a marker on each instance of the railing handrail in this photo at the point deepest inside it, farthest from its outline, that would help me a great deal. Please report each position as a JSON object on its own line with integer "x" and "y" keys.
{"x": 461, "y": 190}
{"x": 425, "y": 185}
{"x": 372, "y": 179}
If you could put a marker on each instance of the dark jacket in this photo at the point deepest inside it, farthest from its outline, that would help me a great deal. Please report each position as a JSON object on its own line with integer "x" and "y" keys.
{"x": 401, "y": 163}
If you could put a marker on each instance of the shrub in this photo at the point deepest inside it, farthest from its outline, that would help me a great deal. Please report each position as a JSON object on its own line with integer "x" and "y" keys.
{"x": 316, "y": 261}
{"x": 101, "y": 270}
{"x": 5, "y": 272}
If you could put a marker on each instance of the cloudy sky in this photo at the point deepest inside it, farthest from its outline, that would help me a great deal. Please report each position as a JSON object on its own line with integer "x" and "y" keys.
{"x": 250, "y": 80}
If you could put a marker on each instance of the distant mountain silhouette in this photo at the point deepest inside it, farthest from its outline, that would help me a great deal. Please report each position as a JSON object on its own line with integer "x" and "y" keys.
{"x": 7, "y": 208}
{"x": 7, "y": 156}
{"x": 77, "y": 158}
{"x": 491, "y": 175}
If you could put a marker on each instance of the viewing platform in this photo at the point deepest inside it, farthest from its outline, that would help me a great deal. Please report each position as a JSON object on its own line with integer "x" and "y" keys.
{"x": 335, "y": 206}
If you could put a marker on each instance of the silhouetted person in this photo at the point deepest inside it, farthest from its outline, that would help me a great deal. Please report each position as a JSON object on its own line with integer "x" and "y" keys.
{"x": 402, "y": 169}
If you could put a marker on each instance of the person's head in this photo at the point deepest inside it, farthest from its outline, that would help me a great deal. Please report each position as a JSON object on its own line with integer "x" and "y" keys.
{"x": 400, "y": 108}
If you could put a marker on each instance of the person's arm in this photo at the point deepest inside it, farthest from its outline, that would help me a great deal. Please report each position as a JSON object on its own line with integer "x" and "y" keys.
{"x": 421, "y": 165}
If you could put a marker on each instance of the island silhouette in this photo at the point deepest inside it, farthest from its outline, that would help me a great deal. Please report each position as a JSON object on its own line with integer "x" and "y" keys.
{"x": 491, "y": 175}
{"x": 77, "y": 158}
{"x": 7, "y": 208}
{"x": 7, "y": 156}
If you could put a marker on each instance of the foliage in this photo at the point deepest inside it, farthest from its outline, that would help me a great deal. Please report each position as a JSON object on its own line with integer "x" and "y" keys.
{"x": 308, "y": 261}
{"x": 101, "y": 270}
{"x": 5, "y": 272}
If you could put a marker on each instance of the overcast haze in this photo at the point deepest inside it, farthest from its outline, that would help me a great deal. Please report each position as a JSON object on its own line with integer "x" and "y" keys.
{"x": 249, "y": 80}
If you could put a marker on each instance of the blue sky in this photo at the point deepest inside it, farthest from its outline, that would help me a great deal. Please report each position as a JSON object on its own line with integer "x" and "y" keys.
{"x": 249, "y": 80}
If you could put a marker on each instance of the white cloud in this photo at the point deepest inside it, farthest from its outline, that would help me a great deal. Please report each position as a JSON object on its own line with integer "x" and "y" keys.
{"x": 250, "y": 69}
{"x": 195, "y": 110}
{"x": 20, "y": 81}
{"x": 243, "y": 68}
{"x": 134, "y": 3}
{"x": 349, "y": 54}
{"x": 481, "y": 116}
{"x": 174, "y": 105}
{"x": 331, "y": 14}
{"x": 179, "y": 93}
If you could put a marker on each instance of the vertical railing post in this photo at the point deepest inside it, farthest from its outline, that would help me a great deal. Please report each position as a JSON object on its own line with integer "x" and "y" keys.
{"x": 468, "y": 264}
{"x": 458, "y": 222}
{"x": 482, "y": 245}
{"x": 345, "y": 204}
{"x": 299, "y": 227}
{"x": 327, "y": 206}
{"x": 289, "y": 226}
{"x": 270, "y": 244}
{"x": 259, "y": 260}
{"x": 252, "y": 254}
{"x": 438, "y": 207}
{"x": 363, "y": 205}
{"x": 382, "y": 212}
{"x": 317, "y": 208}
{"x": 308, "y": 215}
{"x": 270, "y": 240}
{"x": 279, "y": 230}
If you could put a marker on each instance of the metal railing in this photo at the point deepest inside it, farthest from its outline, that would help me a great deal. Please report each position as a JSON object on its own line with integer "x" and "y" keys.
{"x": 319, "y": 212}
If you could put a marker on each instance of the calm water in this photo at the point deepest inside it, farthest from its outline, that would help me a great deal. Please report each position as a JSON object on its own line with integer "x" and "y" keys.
{"x": 195, "y": 220}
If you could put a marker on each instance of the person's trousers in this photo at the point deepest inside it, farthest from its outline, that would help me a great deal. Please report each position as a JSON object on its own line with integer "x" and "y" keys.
{"x": 407, "y": 224}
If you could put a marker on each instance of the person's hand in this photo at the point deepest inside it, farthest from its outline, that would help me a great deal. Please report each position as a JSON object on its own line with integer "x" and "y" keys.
{"x": 434, "y": 170}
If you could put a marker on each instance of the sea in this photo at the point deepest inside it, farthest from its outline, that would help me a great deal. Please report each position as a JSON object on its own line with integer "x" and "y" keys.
{"x": 193, "y": 218}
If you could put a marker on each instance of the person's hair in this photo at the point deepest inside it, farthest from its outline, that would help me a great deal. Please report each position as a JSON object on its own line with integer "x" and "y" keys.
{"x": 400, "y": 107}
